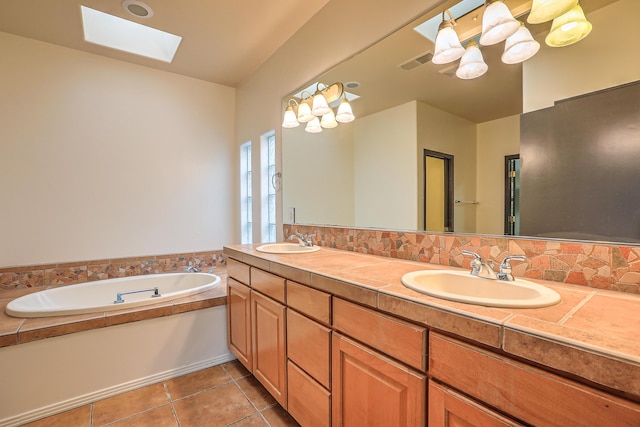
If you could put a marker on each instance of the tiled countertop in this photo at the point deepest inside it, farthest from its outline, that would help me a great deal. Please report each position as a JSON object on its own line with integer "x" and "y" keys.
{"x": 15, "y": 330}
{"x": 592, "y": 334}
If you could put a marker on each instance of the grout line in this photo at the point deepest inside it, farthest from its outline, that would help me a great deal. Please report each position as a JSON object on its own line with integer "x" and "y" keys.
{"x": 173, "y": 409}
{"x": 578, "y": 306}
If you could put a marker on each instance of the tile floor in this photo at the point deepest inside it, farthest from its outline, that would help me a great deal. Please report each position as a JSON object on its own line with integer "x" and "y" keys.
{"x": 223, "y": 395}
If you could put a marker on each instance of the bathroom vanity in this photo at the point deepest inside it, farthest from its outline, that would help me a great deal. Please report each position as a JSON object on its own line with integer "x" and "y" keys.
{"x": 338, "y": 340}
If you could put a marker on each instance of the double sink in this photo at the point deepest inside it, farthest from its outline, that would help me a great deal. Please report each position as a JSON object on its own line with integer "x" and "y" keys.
{"x": 455, "y": 285}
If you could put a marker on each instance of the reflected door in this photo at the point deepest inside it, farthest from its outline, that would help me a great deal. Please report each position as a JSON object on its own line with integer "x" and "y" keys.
{"x": 512, "y": 195}
{"x": 438, "y": 187}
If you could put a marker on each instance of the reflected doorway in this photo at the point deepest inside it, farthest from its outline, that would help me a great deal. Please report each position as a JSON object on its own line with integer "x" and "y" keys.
{"x": 438, "y": 191}
{"x": 512, "y": 195}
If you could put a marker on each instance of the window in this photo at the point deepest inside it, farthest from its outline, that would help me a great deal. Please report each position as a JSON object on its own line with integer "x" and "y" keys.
{"x": 269, "y": 187}
{"x": 245, "y": 193}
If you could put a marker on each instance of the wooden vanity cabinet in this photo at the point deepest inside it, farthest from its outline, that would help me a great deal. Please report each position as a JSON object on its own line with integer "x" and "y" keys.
{"x": 525, "y": 393}
{"x": 257, "y": 325}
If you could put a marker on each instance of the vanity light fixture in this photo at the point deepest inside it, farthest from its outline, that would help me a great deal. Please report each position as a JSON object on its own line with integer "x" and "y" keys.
{"x": 316, "y": 111}
{"x": 448, "y": 47}
{"x": 568, "y": 28}
{"x": 497, "y": 23}
{"x": 472, "y": 64}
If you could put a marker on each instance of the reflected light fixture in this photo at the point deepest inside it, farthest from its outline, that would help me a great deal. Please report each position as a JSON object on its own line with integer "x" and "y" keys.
{"x": 313, "y": 126}
{"x": 546, "y": 10}
{"x": 497, "y": 23}
{"x": 520, "y": 46}
{"x": 472, "y": 64}
{"x": 568, "y": 28}
{"x": 316, "y": 111}
{"x": 448, "y": 47}
{"x": 345, "y": 114}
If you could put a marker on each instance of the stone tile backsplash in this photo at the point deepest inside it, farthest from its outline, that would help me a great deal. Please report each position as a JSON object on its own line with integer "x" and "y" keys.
{"x": 35, "y": 276}
{"x": 604, "y": 266}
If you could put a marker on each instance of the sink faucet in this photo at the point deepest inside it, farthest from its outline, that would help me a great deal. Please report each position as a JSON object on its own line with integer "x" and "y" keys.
{"x": 505, "y": 267}
{"x": 303, "y": 239}
{"x": 480, "y": 268}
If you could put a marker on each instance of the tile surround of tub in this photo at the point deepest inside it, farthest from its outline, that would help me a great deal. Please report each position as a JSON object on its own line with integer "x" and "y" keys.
{"x": 42, "y": 276}
{"x": 614, "y": 267}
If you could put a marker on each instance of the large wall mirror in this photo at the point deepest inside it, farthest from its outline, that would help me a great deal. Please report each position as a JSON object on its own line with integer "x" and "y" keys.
{"x": 418, "y": 124}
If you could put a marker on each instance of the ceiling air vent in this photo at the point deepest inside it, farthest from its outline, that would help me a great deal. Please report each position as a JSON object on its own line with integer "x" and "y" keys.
{"x": 416, "y": 62}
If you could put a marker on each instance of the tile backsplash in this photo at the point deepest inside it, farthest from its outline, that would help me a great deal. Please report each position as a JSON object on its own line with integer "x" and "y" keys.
{"x": 598, "y": 265}
{"x": 35, "y": 276}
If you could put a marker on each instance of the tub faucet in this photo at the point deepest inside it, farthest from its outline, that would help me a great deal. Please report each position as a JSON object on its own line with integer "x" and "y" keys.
{"x": 480, "y": 268}
{"x": 191, "y": 269}
{"x": 303, "y": 239}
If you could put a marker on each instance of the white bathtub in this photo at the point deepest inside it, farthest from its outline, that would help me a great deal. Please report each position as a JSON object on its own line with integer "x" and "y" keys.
{"x": 99, "y": 296}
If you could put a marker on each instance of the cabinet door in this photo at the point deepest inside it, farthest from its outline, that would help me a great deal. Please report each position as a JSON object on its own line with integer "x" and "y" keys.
{"x": 239, "y": 321}
{"x": 371, "y": 390}
{"x": 268, "y": 329}
{"x": 450, "y": 409}
{"x": 309, "y": 402}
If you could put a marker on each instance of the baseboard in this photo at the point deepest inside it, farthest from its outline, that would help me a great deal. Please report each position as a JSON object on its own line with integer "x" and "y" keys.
{"x": 66, "y": 405}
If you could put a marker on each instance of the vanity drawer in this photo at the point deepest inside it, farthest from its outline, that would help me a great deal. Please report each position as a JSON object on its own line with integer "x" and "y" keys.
{"x": 268, "y": 284}
{"x": 524, "y": 392}
{"x": 238, "y": 271}
{"x": 315, "y": 304}
{"x": 309, "y": 403}
{"x": 399, "y": 339}
{"x": 309, "y": 346}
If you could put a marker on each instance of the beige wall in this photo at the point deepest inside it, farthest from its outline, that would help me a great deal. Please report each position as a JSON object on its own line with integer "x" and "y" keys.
{"x": 385, "y": 179}
{"x": 607, "y": 57}
{"x": 101, "y": 158}
{"x": 338, "y": 31}
{"x": 495, "y": 140}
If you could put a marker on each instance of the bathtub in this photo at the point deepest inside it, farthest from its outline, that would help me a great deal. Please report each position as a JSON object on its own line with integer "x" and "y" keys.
{"x": 111, "y": 294}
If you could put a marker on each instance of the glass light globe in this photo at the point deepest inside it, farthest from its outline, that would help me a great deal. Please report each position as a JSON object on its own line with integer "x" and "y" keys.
{"x": 472, "y": 64}
{"x": 448, "y": 47}
{"x": 345, "y": 115}
{"x": 290, "y": 120}
{"x": 497, "y": 23}
{"x": 546, "y": 10}
{"x": 519, "y": 47}
{"x": 313, "y": 126}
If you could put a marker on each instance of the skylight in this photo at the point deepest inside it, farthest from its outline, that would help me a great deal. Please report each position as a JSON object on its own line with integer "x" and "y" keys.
{"x": 117, "y": 33}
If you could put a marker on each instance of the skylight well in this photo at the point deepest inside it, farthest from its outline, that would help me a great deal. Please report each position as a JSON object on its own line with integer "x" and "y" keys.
{"x": 117, "y": 33}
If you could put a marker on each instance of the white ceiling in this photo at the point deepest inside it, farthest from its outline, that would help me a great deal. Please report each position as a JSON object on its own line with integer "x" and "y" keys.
{"x": 223, "y": 41}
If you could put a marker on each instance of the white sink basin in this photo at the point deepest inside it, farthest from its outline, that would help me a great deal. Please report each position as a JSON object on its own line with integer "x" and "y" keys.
{"x": 462, "y": 287}
{"x": 286, "y": 248}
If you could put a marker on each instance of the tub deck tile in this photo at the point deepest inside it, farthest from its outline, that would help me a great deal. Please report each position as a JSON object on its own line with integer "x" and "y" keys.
{"x": 48, "y": 327}
{"x": 135, "y": 314}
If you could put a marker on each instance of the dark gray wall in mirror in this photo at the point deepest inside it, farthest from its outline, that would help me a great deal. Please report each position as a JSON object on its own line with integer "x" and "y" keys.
{"x": 319, "y": 177}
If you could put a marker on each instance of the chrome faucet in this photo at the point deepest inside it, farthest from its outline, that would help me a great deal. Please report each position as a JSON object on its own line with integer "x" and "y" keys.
{"x": 303, "y": 239}
{"x": 191, "y": 269}
{"x": 505, "y": 267}
{"x": 480, "y": 268}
